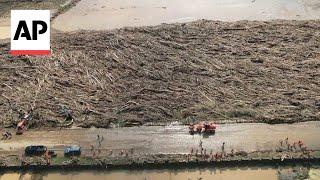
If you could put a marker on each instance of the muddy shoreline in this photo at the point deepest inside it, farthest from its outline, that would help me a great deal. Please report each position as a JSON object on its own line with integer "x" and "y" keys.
{"x": 112, "y": 14}
{"x": 64, "y": 8}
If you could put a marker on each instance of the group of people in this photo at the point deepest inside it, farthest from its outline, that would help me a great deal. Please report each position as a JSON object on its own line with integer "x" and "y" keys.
{"x": 283, "y": 143}
{"x": 99, "y": 140}
{"x": 201, "y": 146}
{"x": 294, "y": 146}
{"x": 110, "y": 152}
{"x": 203, "y": 151}
{"x": 97, "y": 151}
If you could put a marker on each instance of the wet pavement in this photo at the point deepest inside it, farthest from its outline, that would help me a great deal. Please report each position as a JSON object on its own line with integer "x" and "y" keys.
{"x": 265, "y": 173}
{"x": 110, "y": 14}
{"x": 173, "y": 139}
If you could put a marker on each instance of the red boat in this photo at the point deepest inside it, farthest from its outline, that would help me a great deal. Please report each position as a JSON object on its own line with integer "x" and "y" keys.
{"x": 203, "y": 127}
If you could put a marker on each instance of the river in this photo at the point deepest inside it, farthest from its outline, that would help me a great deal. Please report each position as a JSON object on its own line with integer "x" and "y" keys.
{"x": 244, "y": 173}
{"x": 264, "y": 173}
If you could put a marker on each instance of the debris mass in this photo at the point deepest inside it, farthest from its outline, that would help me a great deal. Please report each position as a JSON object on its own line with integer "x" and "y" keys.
{"x": 245, "y": 71}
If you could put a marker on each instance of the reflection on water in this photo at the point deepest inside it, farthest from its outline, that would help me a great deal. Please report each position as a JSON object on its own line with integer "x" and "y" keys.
{"x": 190, "y": 174}
{"x": 109, "y": 14}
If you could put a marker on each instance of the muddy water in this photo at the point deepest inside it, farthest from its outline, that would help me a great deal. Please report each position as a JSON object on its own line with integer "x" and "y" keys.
{"x": 191, "y": 174}
{"x": 109, "y": 14}
{"x": 174, "y": 139}
{"x": 314, "y": 174}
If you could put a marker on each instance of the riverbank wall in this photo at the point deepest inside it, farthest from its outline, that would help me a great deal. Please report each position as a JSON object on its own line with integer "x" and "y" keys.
{"x": 162, "y": 161}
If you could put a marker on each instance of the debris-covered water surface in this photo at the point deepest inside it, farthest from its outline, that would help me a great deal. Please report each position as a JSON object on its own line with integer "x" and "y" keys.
{"x": 205, "y": 70}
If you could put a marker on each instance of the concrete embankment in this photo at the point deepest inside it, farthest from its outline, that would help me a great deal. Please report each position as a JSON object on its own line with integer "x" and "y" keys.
{"x": 158, "y": 161}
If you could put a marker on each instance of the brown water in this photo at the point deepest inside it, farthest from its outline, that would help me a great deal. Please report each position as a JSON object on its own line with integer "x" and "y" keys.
{"x": 314, "y": 174}
{"x": 174, "y": 139}
{"x": 110, "y": 14}
{"x": 191, "y": 174}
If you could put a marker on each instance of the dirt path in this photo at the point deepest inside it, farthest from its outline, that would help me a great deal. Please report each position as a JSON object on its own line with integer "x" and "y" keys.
{"x": 174, "y": 139}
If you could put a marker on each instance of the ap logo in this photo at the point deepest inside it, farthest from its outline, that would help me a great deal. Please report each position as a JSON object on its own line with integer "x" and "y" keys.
{"x": 30, "y": 32}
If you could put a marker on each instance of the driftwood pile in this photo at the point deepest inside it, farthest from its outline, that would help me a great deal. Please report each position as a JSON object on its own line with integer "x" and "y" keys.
{"x": 204, "y": 70}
